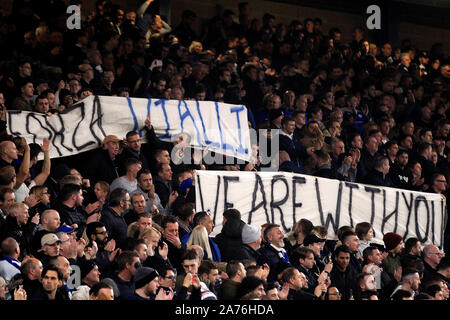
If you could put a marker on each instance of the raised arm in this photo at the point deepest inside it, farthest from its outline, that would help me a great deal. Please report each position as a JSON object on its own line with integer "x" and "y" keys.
{"x": 25, "y": 166}
{"x": 42, "y": 177}
{"x": 143, "y": 7}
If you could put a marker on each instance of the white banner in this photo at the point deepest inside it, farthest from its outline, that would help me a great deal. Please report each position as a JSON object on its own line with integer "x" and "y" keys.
{"x": 219, "y": 127}
{"x": 284, "y": 198}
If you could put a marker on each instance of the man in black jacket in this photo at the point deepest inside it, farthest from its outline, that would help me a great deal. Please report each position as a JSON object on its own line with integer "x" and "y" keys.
{"x": 112, "y": 216}
{"x": 107, "y": 251}
{"x": 71, "y": 200}
{"x": 272, "y": 252}
{"x": 424, "y": 151}
{"x": 251, "y": 242}
{"x": 18, "y": 227}
{"x": 31, "y": 270}
{"x": 103, "y": 165}
{"x": 296, "y": 281}
{"x": 398, "y": 172}
{"x": 133, "y": 150}
{"x": 171, "y": 237}
{"x": 229, "y": 239}
{"x": 342, "y": 276}
{"x": 368, "y": 155}
{"x": 350, "y": 239}
{"x": 163, "y": 184}
{"x": 379, "y": 176}
{"x": 51, "y": 276}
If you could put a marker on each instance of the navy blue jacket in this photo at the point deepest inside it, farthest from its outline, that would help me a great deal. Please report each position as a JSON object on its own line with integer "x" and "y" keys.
{"x": 270, "y": 256}
{"x": 115, "y": 225}
{"x": 294, "y": 148}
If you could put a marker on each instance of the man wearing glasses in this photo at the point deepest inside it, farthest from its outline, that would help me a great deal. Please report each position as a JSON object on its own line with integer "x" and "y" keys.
{"x": 333, "y": 293}
{"x": 107, "y": 251}
{"x": 431, "y": 258}
{"x": 438, "y": 183}
{"x": 167, "y": 280}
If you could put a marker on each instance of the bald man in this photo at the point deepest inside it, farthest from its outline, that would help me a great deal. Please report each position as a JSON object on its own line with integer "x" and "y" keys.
{"x": 8, "y": 153}
{"x": 9, "y": 263}
{"x": 50, "y": 221}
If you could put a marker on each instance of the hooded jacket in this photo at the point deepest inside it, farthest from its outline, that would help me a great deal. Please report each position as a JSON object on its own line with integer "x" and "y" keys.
{"x": 229, "y": 240}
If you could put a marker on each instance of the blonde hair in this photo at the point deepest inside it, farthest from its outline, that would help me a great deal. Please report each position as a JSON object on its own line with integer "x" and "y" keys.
{"x": 199, "y": 236}
{"x": 148, "y": 232}
{"x": 194, "y": 45}
{"x": 38, "y": 190}
{"x": 17, "y": 205}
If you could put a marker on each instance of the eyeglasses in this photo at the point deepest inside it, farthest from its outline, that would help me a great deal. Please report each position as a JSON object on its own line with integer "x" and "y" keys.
{"x": 438, "y": 253}
{"x": 170, "y": 277}
{"x": 335, "y": 294}
{"x": 445, "y": 181}
{"x": 103, "y": 232}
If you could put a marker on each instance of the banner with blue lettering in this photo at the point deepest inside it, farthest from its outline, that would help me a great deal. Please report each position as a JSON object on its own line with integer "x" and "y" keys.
{"x": 218, "y": 127}
{"x": 284, "y": 198}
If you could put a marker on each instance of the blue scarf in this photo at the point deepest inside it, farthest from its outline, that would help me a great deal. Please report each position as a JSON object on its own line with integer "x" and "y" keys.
{"x": 14, "y": 262}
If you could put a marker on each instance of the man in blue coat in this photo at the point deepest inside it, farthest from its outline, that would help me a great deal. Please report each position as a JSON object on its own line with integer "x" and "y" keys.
{"x": 297, "y": 152}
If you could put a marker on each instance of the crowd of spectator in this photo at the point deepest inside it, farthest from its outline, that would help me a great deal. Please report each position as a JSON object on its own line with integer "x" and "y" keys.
{"x": 122, "y": 220}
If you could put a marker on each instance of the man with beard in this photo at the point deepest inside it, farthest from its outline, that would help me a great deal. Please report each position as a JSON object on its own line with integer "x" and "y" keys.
{"x": 273, "y": 252}
{"x": 96, "y": 232}
{"x": 112, "y": 216}
{"x": 147, "y": 285}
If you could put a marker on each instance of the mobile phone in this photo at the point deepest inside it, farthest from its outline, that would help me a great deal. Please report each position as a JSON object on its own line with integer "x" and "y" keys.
{"x": 161, "y": 243}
